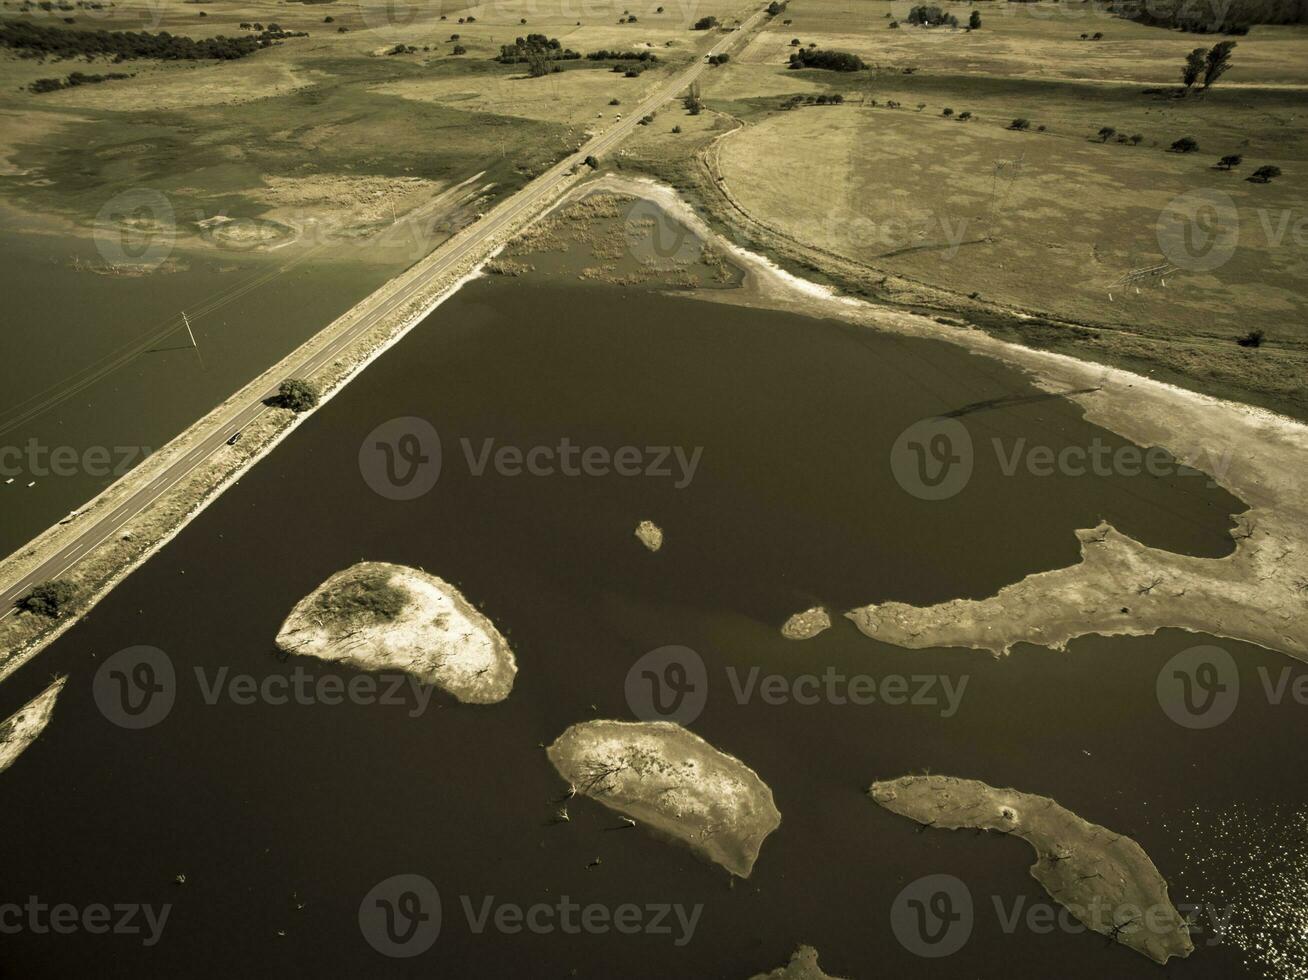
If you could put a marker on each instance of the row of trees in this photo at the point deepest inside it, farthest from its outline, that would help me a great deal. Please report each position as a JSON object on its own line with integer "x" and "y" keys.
{"x": 1229, "y": 17}
{"x": 39, "y": 41}
{"x": 72, "y": 81}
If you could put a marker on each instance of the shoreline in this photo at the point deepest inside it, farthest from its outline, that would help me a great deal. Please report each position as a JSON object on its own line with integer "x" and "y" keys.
{"x": 1267, "y": 570}
{"x": 1154, "y": 413}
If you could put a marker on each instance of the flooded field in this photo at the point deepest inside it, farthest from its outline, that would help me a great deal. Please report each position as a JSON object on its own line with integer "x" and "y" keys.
{"x": 81, "y": 403}
{"x": 762, "y": 448}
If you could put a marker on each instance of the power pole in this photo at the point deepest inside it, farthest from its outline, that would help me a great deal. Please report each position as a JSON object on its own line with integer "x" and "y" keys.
{"x": 190, "y": 333}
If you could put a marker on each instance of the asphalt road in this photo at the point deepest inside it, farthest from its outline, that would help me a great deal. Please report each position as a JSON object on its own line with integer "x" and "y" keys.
{"x": 533, "y": 196}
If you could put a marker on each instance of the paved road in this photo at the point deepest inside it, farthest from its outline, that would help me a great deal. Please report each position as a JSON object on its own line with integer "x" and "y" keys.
{"x": 533, "y": 196}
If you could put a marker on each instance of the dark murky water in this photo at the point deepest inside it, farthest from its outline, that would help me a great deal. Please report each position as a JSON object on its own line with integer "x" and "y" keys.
{"x": 268, "y": 807}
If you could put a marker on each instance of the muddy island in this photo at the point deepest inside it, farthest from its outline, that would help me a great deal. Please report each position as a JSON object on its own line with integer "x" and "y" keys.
{"x": 650, "y": 535}
{"x": 667, "y": 778}
{"x": 803, "y": 965}
{"x": 24, "y": 726}
{"x": 1105, "y": 879}
{"x": 378, "y": 616}
{"x": 807, "y": 624}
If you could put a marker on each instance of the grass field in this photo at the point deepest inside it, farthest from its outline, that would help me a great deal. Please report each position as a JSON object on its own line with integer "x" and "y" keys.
{"x": 1051, "y": 221}
{"x": 335, "y": 122}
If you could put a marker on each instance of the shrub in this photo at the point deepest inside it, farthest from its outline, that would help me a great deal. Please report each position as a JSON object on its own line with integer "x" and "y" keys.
{"x": 1136, "y": 139}
{"x": 1020, "y": 124}
{"x": 368, "y": 598}
{"x": 1186, "y": 144}
{"x": 1254, "y": 338}
{"x": 946, "y": 111}
{"x": 458, "y": 49}
{"x": 592, "y": 163}
{"x": 52, "y": 598}
{"x": 676, "y": 129}
{"x": 704, "y": 23}
{"x": 974, "y": 21}
{"x": 828, "y": 60}
{"x": 1106, "y": 133}
{"x": 1265, "y": 173}
{"x": 615, "y": 102}
{"x": 297, "y": 394}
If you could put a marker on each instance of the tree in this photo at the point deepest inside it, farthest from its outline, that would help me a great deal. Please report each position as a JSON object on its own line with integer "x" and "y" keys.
{"x": 1265, "y": 173}
{"x": 1217, "y": 62}
{"x": 538, "y": 65}
{"x": 704, "y": 23}
{"x": 946, "y": 111}
{"x": 52, "y": 598}
{"x": 592, "y": 163}
{"x": 1194, "y": 67}
{"x": 459, "y": 49}
{"x": 1229, "y": 161}
{"x": 1106, "y": 133}
{"x": 1186, "y": 144}
{"x": 974, "y": 21}
{"x": 297, "y": 394}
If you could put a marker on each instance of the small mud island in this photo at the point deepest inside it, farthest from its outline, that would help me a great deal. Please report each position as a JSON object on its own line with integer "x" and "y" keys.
{"x": 807, "y": 624}
{"x": 803, "y": 965}
{"x": 667, "y": 778}
{"x": 650, "y": 535}
{"x": 1105, "y": 879}
{"x": 378, "y": 616}
{"x": 25, "y": 725}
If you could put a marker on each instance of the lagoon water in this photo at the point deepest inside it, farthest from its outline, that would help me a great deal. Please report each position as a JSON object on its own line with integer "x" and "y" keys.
{"x": 101, "y": 369}
{"x": 282, "y": 817}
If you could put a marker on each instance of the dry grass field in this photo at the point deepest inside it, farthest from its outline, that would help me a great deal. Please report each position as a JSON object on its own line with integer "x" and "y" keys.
{"x": 1052, "y": 221}
{"x": 367, "y": 134}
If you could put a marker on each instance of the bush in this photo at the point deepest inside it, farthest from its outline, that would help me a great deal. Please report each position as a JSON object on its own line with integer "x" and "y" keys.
{"x": 368, "y": 598}
{"x": 1265, "y": 173}
{"x": 592, "y": 163}
{"x": 1254, "y": 338}
{"x": 704, "y": 23}
{"x": 297, "y": 394}
{"x": 1106, "y": 133}
{"x": 676, "y": 129}
{"x": 52, "y": 599}
{"x": 828, "y": 60}
{"x": 946, "y": 111}
{"x": 458, "y": 49}
{"x": 1186, "y": 144}
{"x": 1020, "y": 124}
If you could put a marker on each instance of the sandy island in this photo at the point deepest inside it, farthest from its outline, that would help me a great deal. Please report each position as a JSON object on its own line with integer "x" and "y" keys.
{"x": 650, "y": 535}
{"x": 807, "y": 624}
{"x": 421, "y": 625}
{"x": 1105, "y": 879}
{"x": 25, "y": 725}
{"x": 803, "y": 965}
{"x": 670, "y": 779}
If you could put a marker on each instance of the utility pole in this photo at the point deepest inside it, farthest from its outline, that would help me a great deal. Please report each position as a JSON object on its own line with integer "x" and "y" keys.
{"x": 190, "y": 333}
